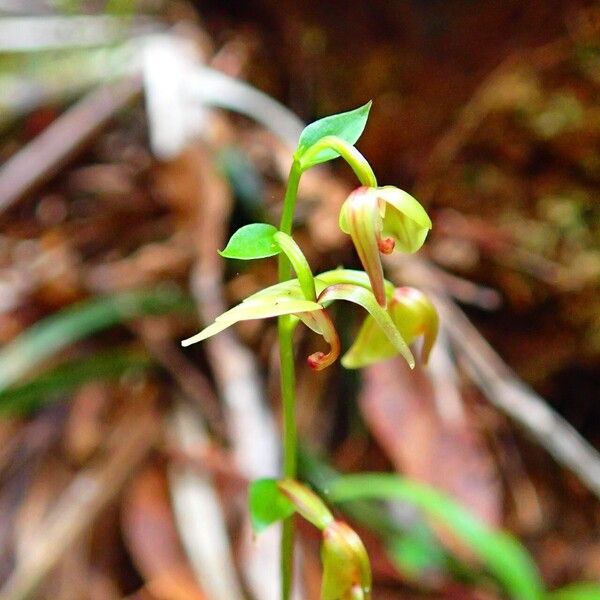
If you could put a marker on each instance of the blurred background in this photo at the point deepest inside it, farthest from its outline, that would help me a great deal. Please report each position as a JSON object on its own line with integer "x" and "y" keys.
{"x": 136, "y": 136}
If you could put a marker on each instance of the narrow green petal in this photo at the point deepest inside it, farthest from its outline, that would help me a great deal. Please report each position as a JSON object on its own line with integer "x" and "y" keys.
{"x": 264, "y": 308}
{"x": 366, "y": 299}
{"x": 290, "y": 288}
{"x": 207, "y": 332}
{"x": 253, "y": 308}
{"x": 405, "y": 203}
{"x": 413, "y": 315}
{"x": 370, "y": 346}
{"x": 405, "y": 220}
{"x": 322, "y": 280}
{"x": 363, "y": 222}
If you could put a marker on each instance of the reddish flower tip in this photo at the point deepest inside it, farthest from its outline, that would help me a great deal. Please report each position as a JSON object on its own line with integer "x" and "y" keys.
{"x": 316, "y": 361}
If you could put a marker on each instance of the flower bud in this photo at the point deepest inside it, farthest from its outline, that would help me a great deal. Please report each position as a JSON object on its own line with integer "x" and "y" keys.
{"x": 346, "y": 567}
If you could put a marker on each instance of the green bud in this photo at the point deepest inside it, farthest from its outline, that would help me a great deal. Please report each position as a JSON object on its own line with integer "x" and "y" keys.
{"x": 346, "y": 567}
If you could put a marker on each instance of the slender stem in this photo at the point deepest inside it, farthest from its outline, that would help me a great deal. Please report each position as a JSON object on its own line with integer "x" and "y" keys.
{"x": 288, "y": 387}
{"x": 357, "y": 162}
{"x": 299, "y": 263}
{"x": 289, "y": 201}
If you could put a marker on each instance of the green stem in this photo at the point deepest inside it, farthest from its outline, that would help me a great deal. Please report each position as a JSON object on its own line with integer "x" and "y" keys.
{"x": 289, "y": 202}
{"x": 288, "y": 386}
{"x": 299, "y": 263}
{"x": 286, "y": 325}
{"x": 357, "y": 162}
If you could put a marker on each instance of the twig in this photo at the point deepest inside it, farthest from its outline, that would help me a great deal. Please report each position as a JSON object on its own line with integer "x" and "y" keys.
{"x": 34, "y": 33}
{"x": 190, "y": 380}
{"x": 47, "y": 153}
{"x": 130, "y": 441}
{"x": 198, "y": 513}
{"x": 252, "y": 431}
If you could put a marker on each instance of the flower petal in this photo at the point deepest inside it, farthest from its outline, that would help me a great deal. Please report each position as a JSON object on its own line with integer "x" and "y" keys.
{"x": 360, "y": 217}
{"x": 323, "y": 280}
{"x": 320, "y": 322}
{"x": 253, "y": 308}
{"x": 366, "y": 299}
{"x": 370, "y": 346}
{"x": 405, "y": 220}
{"x": 413, "y": 315}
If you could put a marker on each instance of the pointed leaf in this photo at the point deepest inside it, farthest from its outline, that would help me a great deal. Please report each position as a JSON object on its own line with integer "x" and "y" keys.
{"x": 252, "y": 241}
{"x": 347, "y": 126}
{"x": 268, "y": 504}
{"x": 366, "y": 299}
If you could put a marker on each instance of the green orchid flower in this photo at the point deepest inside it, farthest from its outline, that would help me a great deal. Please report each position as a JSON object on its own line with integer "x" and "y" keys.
{"x": 383, "y": 219}
{"x": 288, "y": 298}
{"x": 412, "y": 313}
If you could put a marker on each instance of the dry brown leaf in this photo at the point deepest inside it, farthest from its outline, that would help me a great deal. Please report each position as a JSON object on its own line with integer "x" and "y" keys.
{"x": 399, "y": 406}
{"x": 151, "y": 537}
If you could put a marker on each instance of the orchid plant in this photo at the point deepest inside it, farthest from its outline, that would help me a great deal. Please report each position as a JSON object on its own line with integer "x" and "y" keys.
{"x": 379, "y": 220}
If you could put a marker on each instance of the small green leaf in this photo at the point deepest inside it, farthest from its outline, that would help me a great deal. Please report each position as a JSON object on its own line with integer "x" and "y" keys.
{"x": 252, "y": 241}
{"x": 347, "y": 125}
{"x": 268, "y": 504}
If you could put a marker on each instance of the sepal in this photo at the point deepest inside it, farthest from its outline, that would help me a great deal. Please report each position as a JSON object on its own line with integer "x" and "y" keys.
{"x": 412, "y": 313}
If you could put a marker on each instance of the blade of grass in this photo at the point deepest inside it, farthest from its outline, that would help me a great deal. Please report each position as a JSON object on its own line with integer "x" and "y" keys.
{"x": 52, "y": 385}
{"x": 53, "y": 333}
{"x": 502, "y": 555}
{"x": 427, "y": 553}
